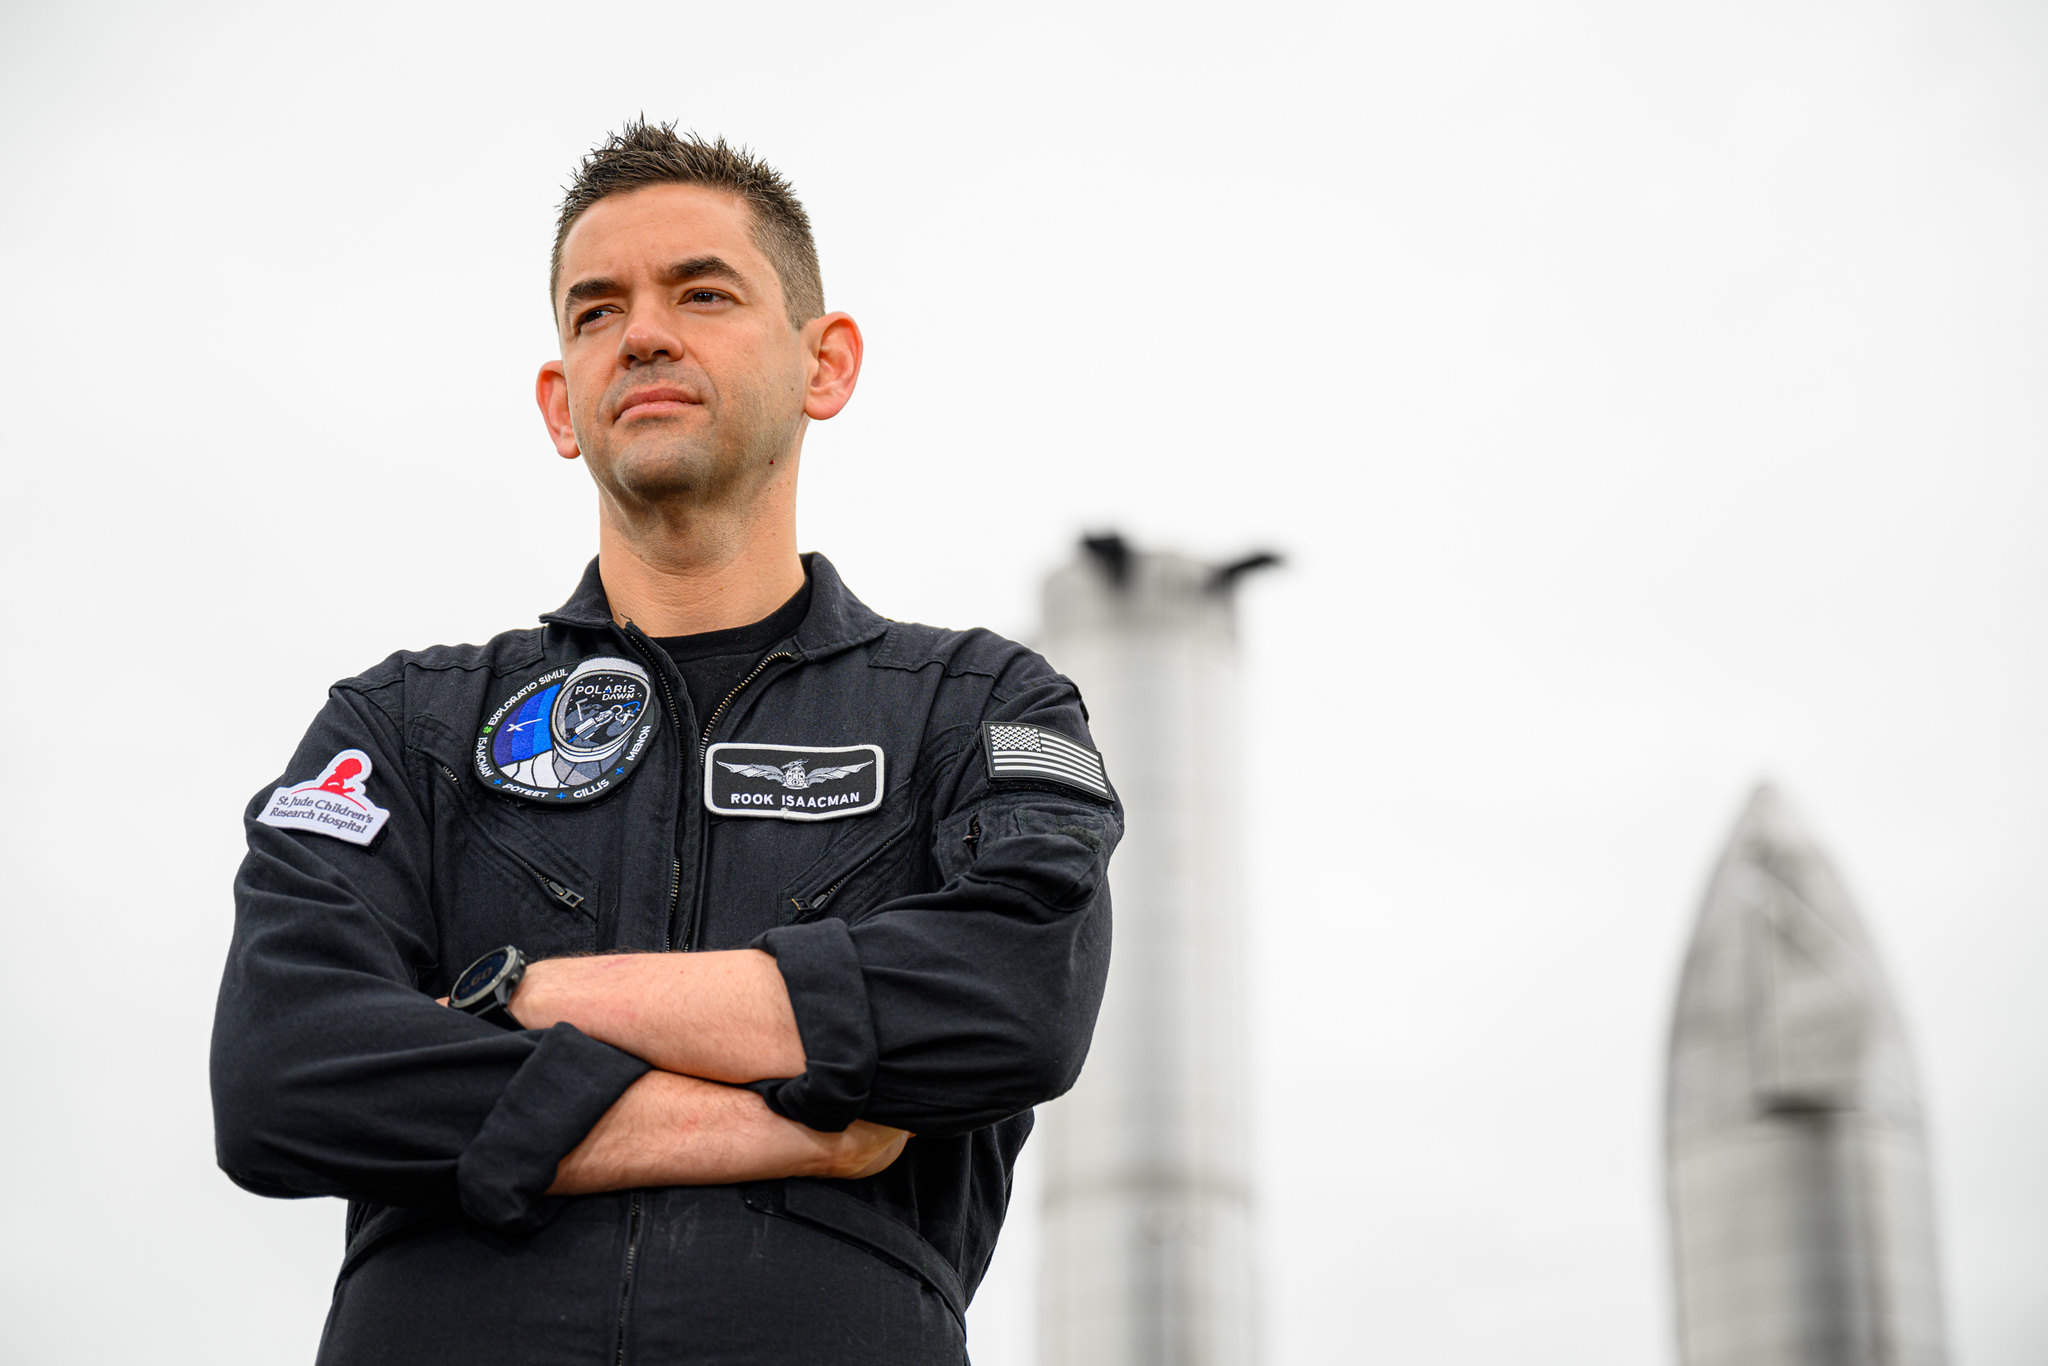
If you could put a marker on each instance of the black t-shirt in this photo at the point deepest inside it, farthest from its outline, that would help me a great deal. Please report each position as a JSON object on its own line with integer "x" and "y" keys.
{"x": 714, "y": 662}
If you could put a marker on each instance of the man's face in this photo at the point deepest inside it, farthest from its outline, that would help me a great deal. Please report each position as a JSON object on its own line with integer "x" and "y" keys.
{"x": 681, "y": 378}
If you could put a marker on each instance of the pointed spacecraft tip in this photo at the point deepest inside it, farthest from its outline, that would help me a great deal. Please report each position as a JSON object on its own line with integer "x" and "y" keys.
{"x": 1783, "y": 1007}
{"x": 1226, "y": 576}
{"x": 1773, "y": 862}
{"x": 1113, "y": 553}
{"x": 1769, "y": 824}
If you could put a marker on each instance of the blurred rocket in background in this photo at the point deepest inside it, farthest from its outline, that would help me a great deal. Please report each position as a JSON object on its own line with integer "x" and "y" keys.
{"x": 1802, "y": 1224}
{"x": 1147, "y": 1216}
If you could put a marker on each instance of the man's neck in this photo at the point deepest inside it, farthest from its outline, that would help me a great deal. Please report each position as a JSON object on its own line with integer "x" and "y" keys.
{"x": 708, "y": 574}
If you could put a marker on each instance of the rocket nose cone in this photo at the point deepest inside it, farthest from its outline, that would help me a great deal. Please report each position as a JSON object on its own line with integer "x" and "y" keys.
{"x": 1782, "y": 1004}
{"x": 1768, "y": 824}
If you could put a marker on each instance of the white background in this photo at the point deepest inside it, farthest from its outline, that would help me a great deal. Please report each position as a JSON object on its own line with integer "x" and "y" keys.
{"x": 1649, "y": 396}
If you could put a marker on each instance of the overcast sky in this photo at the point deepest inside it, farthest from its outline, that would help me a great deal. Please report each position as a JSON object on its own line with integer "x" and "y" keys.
{"x": 1649, "y": 397}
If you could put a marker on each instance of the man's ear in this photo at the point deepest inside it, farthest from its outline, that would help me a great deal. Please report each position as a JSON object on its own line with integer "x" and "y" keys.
{"x": 551, "y": 391}
{"x": 834, "y": 346}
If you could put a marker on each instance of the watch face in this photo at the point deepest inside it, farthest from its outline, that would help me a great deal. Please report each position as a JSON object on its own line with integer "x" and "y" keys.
{"x": 479, "y": 976}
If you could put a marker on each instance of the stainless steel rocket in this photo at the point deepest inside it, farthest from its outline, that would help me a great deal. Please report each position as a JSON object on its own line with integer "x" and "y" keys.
{"x": 1802, "y": 1225}
{"x": 1146, "y": 1243}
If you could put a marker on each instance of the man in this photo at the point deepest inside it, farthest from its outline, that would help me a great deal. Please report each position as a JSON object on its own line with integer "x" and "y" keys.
{"x": 760, "y": 921}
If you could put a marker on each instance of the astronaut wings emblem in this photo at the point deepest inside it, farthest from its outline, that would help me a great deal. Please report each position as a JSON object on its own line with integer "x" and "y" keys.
{"x": 793, "y": 774}
{"x": 778, "y": 780}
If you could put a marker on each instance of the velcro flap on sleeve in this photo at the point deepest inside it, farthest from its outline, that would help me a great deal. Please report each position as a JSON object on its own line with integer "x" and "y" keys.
{"x": 1057, "y": 857}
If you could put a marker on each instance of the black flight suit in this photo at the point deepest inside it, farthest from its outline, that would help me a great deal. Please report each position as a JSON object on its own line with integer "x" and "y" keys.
{"x": 944, "y": 952}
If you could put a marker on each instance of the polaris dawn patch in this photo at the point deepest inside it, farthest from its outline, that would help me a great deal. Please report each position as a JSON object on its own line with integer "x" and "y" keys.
{"x": 335, "y": 803}
{"x": 792, "y": 782}
{"x": 572, "y": 734}
{"x": 1018, "y": 752}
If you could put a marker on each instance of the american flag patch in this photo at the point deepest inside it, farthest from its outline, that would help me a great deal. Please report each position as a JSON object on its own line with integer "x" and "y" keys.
{"x": 1021, "y": 752}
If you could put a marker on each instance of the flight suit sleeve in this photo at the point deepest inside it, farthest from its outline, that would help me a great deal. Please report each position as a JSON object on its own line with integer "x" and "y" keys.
{"x": 949, "y": 1010}
{"x": 334, "y": 1071}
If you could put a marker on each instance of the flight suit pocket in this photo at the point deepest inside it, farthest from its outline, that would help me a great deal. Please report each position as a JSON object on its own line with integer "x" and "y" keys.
{"x": 504, "y": 882}
{"x": 853, "y": 1220}
{"x": 1056, "y": 856}
{"x": 853, "y": 873}
{"x": 372, "y": 1226}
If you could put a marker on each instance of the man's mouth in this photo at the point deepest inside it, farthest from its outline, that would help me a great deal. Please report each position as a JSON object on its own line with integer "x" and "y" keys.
{"x": 653, "y": 403}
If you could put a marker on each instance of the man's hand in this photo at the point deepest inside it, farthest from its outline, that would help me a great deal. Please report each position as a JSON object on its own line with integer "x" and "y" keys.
{"x": 668, "y": 1130}
{"x": 722, "y": 1016}
{"x": 863, "y": 1149}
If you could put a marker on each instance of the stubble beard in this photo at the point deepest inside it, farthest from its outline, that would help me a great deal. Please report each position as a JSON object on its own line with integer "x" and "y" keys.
{"x": 716, "y": 458}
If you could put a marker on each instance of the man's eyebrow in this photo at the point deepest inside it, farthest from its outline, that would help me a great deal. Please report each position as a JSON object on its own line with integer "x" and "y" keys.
{"x": 694, "y": 268}
{"x": 701, "y": 268}
{"x": 593, "y": 288}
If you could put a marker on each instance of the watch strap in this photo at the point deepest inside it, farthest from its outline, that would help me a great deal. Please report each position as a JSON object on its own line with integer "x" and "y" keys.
{"x": 499, "y": 1012}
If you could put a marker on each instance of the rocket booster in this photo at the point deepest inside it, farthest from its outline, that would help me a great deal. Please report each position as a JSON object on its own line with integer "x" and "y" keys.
{"x": 1802, "y": 1225}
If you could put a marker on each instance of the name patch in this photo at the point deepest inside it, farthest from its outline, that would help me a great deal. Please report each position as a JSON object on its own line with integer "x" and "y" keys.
{"x": 332, "y": 804}
{"x": 793, "y": 782}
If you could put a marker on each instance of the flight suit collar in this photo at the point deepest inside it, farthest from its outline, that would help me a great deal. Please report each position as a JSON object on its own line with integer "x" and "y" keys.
{"x": 836, "y": 620}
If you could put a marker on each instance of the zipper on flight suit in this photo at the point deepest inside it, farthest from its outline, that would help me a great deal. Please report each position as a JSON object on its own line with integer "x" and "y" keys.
{"x": 644, "y": 647}
{"x": 704, "y": 741}
{"x": 626, "y": 1280}
{"x": 810, "y": 905}
{"x": 566, "y": 895}
{"x": 638, "y": 639}
{"x": 696, "y": 919}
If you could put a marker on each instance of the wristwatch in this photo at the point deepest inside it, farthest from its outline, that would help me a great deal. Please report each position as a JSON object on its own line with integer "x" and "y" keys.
{"x": 485, "y": 987}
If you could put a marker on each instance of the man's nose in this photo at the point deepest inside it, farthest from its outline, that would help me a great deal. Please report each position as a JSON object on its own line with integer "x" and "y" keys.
{"x": 649, "y": 336}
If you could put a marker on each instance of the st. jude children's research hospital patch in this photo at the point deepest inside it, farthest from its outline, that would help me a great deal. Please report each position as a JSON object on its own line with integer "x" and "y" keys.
{"x": 336, "y": 803}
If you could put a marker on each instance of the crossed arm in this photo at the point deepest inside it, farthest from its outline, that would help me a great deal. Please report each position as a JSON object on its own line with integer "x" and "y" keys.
{"x": 700, "y": 1019}
{"x": 938, "y": 1011}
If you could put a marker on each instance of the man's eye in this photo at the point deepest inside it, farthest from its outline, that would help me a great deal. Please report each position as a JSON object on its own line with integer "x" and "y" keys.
{"x": 704, "y": 296}
{"x": 589, "y": 316}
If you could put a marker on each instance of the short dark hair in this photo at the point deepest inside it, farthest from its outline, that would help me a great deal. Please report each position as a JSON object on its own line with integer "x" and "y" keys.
{"x": 642, "y": 154}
